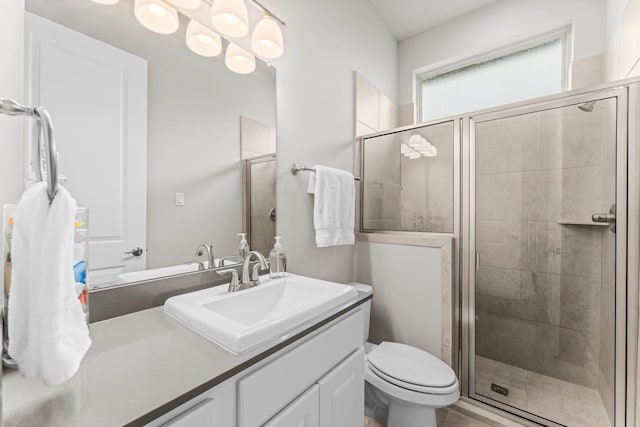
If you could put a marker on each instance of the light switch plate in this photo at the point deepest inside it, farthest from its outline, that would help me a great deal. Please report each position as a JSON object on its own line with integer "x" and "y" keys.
{"x": 179, "y": 199}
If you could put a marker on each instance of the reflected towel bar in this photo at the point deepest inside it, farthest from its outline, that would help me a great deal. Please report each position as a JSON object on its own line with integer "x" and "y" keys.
{"x": 297, "y": 168}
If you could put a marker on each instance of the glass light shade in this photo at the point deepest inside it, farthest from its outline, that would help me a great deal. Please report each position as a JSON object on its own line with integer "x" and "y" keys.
{"x": 267, "y": 39}
{"x": 106, "y": 2}
{"x": 239, "y": 60}
{"x": 230, "y": 17}
{"x": 202, "y": 40}
{"x": 187, "y": 4}
{"x": 156, "y": 16}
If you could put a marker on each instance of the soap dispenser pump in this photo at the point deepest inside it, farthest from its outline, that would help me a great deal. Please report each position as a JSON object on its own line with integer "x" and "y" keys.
{"x": 277, "y": 260}
{"x": 243, "y": 249}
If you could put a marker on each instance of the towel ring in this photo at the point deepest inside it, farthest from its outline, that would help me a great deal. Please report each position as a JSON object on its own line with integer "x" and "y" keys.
{"x": 43, "y": 131}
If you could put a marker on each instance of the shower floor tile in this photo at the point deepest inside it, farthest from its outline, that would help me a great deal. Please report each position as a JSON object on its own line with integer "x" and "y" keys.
{"x": 561, "y": 401}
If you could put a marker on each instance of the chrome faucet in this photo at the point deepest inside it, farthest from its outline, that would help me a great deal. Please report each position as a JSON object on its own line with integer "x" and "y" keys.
{"x": 209, "y": 249}
{"x": 249, "y": 281}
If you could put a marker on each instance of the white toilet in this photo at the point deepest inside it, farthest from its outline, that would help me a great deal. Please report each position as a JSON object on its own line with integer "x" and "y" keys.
{"x": 408, "y": 381}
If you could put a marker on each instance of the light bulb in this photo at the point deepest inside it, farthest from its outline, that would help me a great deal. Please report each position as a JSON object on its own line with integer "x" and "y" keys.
{"x": 187, "y": 4}
{"x": 202, "y": 40}
{"x": 158, "y": 12}
{"x": 239, "y": 60}
{"x": 230, "y": 17}
{"x": 106, "y": 2}
{"x": 267, "y": 40}
{"x": 156, "y": 16}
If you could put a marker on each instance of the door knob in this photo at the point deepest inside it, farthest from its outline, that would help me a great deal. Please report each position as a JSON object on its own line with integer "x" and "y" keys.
{"x": 272, "y": 214}
{"x": 135, "y": 252}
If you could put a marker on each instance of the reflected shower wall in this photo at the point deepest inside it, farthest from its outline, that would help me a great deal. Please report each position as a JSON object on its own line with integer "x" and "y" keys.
{"x": 408, "y": 180}
{"x": 545, "y": 286}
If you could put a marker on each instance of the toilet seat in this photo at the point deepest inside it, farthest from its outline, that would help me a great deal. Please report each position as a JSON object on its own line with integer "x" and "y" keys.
{"x": 414, "y": 387}
{"x": 411, "y": 368}
{"x": 411, "y": 374}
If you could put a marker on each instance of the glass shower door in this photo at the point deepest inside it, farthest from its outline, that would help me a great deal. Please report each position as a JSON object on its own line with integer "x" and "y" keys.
{"x": 544, "y": 285}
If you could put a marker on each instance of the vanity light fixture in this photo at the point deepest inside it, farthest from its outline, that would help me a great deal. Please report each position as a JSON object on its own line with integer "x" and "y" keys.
{"x": 157, "y": 16}
{"x": 202, "y": 40}
{"x": 267, "y": 40}
{"x": 239, "y": 60}
{"x": 230, "y": 17}
{"x": 187, "y": 4}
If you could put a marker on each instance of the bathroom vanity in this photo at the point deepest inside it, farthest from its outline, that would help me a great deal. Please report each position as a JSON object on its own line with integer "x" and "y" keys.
{"x": 146, "y": 368}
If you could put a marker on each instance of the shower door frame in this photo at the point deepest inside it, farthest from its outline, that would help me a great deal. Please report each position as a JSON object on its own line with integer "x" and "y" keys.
{"x": 626, "y": 299}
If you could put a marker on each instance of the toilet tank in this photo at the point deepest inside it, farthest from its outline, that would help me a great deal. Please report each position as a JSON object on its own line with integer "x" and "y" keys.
{"x": 368, "y": 290}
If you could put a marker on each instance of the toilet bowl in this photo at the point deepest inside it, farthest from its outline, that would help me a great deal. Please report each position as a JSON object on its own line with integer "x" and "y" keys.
{"x": 409, "y": 382}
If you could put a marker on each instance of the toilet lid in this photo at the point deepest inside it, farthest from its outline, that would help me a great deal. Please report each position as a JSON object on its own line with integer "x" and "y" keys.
{"x": 411, "y": 365}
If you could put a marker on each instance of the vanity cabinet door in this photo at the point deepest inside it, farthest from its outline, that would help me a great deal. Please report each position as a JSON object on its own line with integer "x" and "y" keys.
{"x": 303, "y": 412}
{"x": 342, "y": 393}
{"x": 201, "y": 415}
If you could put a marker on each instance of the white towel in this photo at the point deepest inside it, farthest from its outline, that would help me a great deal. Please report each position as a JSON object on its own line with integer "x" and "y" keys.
{"x": 48, "y": 334}
{"x": 334, "y": 206}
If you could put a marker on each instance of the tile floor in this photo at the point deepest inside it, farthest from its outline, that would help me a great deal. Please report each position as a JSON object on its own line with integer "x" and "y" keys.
{"x": 446, "y": 418}
{"x": 561, "y": 401}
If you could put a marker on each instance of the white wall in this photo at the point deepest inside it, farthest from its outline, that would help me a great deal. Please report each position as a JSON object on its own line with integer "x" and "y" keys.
{"x": 325, "y": 42}
{"x": 503, "y": 22}
{"x": 11, "y": 72}
{"x": 406, "y": 283}
{"x": 622, "y": 58}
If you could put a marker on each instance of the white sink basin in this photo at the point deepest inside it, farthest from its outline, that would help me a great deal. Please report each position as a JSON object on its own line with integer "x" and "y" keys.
{"x": 243, "y": 320}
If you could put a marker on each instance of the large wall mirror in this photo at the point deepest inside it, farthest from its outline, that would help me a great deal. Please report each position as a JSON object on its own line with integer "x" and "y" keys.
{"x": 149, "y": 137}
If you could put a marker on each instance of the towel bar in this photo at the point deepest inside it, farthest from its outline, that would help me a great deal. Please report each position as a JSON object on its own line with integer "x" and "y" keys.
{"x": 297, "y": 168}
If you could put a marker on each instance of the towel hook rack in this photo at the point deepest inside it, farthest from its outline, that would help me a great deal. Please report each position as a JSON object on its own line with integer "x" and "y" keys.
{"x": 296, "y": 168}
{"x": 42, "y": 127}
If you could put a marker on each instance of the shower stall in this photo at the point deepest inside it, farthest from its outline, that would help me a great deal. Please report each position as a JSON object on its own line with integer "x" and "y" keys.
{"x": 546, "y": 294}
{"x": 541, "y": 200}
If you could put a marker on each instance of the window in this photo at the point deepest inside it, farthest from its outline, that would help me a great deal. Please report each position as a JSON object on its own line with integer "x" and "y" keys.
{"x": 523, "y": 72}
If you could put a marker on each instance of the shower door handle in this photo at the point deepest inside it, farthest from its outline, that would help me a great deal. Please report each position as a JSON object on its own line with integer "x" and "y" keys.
{"x": 603, "y": 217}
{"x": 606, "y": 218}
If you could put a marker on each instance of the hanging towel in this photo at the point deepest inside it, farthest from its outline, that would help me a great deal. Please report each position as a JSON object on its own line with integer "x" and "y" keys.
{"x": 334, "y": 206}
{"x": 48, "y": 333}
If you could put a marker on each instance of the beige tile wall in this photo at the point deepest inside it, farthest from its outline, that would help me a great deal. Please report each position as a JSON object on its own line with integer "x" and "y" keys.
{"x": 427, "y": 185}
{"x": 542, "y": 291}
{"x": 263, "y": 199}
{"x": 376, "y": 112}
{"x": 402, "y": 194}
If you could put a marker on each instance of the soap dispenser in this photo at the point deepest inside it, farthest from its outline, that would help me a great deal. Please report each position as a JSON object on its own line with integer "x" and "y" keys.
{"x": 243, "y": 249}
{"x": 277, "y": 260}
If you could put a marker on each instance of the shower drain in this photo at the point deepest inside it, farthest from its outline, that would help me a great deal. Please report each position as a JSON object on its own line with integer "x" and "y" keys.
{"x": 499, "y": 389}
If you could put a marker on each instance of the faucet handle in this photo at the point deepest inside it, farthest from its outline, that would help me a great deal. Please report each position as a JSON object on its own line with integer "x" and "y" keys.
{"x": 255, "y": 275}
{"x": 233, "y": 285}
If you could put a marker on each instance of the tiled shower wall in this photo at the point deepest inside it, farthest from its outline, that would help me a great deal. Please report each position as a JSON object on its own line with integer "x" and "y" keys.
{"x": 376, "y": 112}
{"x": 427, "y": 185}
{"x": 544, "y": 289}
{"x": 403, "y": 194}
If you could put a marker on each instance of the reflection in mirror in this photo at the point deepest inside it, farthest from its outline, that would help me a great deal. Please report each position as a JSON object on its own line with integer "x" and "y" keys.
{"x": 408, "y": 180}
{"x": 148, "y": 135}
{"x": 259, "y": 188}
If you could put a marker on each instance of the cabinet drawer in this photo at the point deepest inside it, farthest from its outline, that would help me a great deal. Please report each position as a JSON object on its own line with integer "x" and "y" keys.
{"x": 265, "y": 392}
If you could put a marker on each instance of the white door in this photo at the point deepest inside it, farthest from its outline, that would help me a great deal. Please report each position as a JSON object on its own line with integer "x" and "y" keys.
{"x": 342, "y": 393}
{"x": 303, "y": 412}
{"x": 97, "y": 97}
